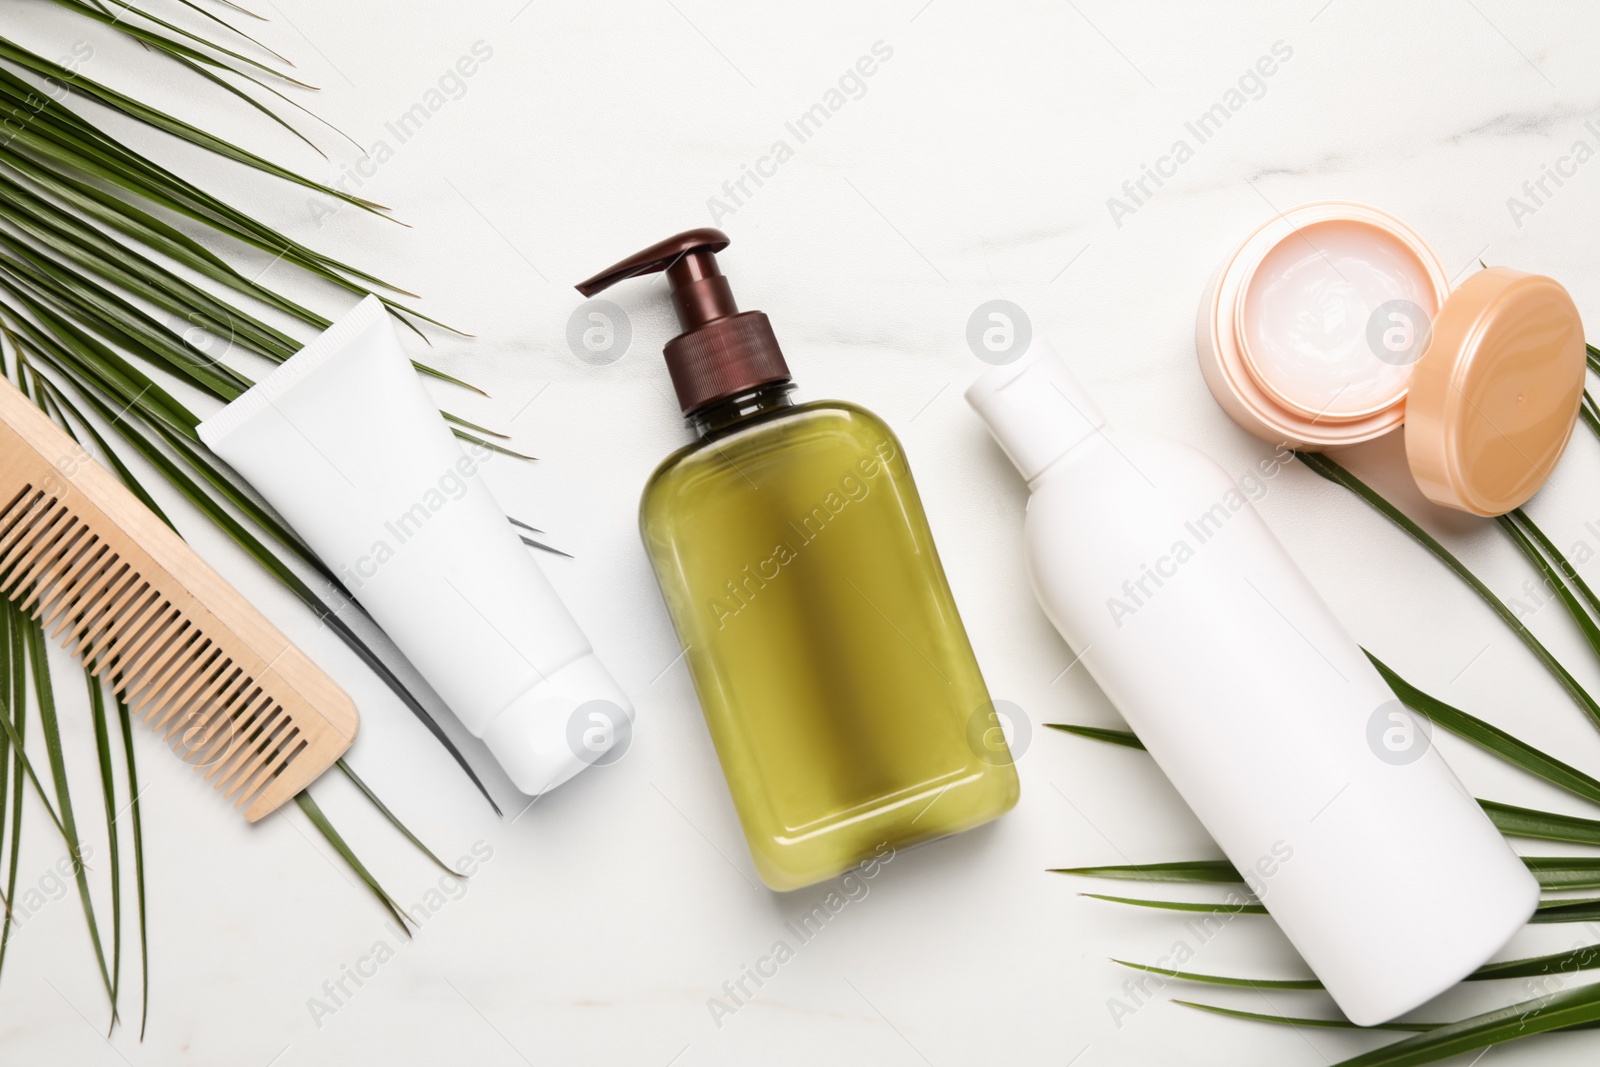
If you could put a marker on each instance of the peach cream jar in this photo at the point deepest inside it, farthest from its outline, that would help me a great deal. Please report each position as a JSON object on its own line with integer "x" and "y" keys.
{"x": 1333, "y": 323}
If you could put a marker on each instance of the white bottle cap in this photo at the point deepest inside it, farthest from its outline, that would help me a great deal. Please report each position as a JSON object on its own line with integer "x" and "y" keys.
{"x": 575, "y": 718}
{"x": 1036, "y": 408}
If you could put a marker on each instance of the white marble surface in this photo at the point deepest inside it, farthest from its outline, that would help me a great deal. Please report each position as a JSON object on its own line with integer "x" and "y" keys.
{"x": 976, "y": 166}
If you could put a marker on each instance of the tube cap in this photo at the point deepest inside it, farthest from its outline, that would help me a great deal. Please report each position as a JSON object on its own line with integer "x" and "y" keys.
{"x": 576, "y": 718}
{"x": 1494, "y": 398}
{"x": 1036, "y": 408}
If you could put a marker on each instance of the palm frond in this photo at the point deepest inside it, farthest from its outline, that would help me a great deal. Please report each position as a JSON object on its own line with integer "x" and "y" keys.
{"x": 107, "y": 292}
{"x": 1338, "y": 475}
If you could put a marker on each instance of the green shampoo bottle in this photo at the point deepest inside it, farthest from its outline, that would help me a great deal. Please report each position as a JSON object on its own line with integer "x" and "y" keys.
{"x": 796, "y": 562}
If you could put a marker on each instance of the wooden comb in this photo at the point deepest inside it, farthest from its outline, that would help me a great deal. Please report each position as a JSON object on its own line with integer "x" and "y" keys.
{"x": 148, "y": 617}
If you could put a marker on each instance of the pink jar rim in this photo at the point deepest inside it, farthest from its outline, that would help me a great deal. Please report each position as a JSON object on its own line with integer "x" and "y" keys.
{"x": 1222, "y": 346}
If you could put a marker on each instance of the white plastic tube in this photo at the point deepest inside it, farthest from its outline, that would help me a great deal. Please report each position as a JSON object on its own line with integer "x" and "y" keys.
{"x": 345, "y": 443}
{"x": 1316, "y": 782}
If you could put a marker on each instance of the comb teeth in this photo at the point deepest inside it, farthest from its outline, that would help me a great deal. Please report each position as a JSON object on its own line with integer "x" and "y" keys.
{"x": 106, "y": 577}
{"x": 217, "y": 704}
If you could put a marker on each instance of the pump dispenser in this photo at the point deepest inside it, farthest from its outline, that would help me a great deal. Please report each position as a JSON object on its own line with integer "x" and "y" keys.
{"x": 795, "y": 559}
{"x": 722, "y": 351}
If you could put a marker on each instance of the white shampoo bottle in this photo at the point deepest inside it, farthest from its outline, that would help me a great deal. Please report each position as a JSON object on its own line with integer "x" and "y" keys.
{"x": 1320, "y": 787}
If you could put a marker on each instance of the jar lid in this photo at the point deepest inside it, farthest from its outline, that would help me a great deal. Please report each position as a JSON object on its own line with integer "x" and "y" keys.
{"x": 1495, "y": 396}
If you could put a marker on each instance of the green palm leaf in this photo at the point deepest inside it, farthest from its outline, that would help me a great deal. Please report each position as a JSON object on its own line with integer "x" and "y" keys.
{"x": 137, "y": 830}
{"x": 91, "y": 247}
{"x": 1541, "y": 825}
{"x": 1182, "y": 905}
{"x": 1125, "y": 738}
{"x": 1511, "y": 820}
{"x": 1567, "y": 910}
{"x": 1553, "y": 872}
{"x": 1552, "y": 910}
{"x": 1568, "y": 1009}
{"x": 1344, "y": 1024}
{"x": 1298, "y": 1021}
{"x": 1573, "y": 961}
{"x": 1338, "y": 475}
{"x": 1284, "y": 984}
{"x": 173, "y": 42}
{"x": 15, "y": 54}
{"x": 14, "y": 726}
{"x": 1558, "y": 574}
{"x": 33, "y": 641}
{"x": 1201, "y": 872}
{"x": 324, "y": 827}
{"x": 1490, "y": 738}
{"x": 108, "y": 792}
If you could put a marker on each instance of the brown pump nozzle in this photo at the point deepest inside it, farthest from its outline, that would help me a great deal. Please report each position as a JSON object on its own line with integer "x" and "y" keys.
{"x": 722, "y": 351}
